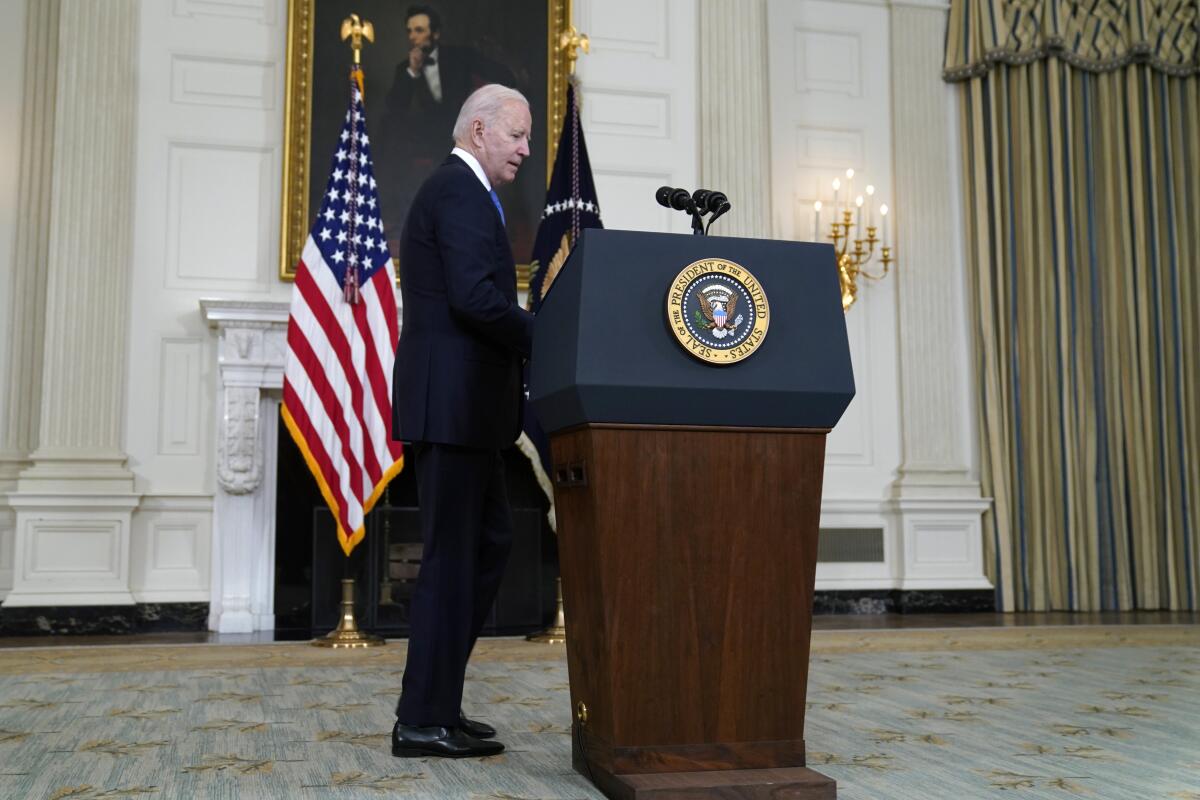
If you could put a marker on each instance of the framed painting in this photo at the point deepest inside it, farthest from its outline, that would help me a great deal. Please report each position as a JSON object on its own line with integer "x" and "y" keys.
{"x": 426, "y": 59}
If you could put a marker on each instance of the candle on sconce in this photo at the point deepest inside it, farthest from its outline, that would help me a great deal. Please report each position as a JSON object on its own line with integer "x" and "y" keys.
{"x": 849, "y": 187}
{"x": 837, "y": 184}
{"x": 816, "y": 221}
{"x": 883, "y": 211}
{"x": 870, "y": 206}
{"x": 858, "y": 204}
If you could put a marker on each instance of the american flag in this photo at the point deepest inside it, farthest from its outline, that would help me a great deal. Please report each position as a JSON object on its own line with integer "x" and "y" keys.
{"x": 337, "y": 388}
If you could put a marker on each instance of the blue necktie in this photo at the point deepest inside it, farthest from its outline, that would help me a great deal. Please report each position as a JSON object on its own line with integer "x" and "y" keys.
{"x": 500, "y": 208}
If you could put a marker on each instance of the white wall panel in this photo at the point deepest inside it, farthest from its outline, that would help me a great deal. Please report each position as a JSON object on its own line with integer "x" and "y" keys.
{"x": 229, "y": 82}
{"x": 828, "y": 61}
{"x": 171, "y": 549}
{"x": 830, "y": 109}
{"x": 181, "y": 401}
{"x": 210, "y": 128}
{"x": 639, "y": 110}
{"x": 81, "y": 546}
{"x": 217, "y": 198}
{"x": 623, "y": 196}
{"x": 643, "y": 114}
{"x": 637, "y": 27}
{"x": 264, "y": 11}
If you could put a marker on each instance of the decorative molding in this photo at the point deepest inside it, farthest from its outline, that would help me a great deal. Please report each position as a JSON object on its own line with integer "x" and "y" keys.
{"x": 239, "y": 461}
{"x": 262, "y": 11}
{"x": 225, "y": 81}
{"x": 627, "y": 113}
{"x": 612, "y": 31}
{"x": 179, "y": 396}
{"x": 71, "y": 549}
{"x": 171, "y": 549}
{"x": 819, "y": 147}
{"x": 828, "y": 61}
{"x": 216, "y": 193}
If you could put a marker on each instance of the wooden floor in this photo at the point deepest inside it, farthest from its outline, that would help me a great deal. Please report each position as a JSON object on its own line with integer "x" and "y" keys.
{"x": 821, "y": 622}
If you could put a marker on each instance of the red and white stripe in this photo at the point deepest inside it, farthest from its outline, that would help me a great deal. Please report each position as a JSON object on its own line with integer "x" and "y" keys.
{"x": 337, "y": 386}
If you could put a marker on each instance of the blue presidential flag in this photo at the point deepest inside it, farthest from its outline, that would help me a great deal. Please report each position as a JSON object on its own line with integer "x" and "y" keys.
{"x": 571, "y": 206}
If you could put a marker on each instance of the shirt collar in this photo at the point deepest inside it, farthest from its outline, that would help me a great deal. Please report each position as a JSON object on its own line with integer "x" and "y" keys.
{"x": 474, "y": 164}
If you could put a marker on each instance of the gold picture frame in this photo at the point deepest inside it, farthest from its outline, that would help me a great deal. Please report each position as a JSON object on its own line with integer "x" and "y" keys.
{"x": 299, "y": 170}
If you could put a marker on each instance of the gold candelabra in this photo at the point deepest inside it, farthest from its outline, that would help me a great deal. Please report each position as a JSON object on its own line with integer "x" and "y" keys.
{"x": 851, "y": 262}
{"x": 852, "y": 249}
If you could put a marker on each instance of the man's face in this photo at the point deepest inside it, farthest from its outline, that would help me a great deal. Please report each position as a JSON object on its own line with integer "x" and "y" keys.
{"x": 504, "y": 144}
{"x": 419, "y": 34}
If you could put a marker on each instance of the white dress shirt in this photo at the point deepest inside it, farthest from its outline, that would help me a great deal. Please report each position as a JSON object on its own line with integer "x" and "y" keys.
{"x": 432, "y": 76}
{"x": 474, "y": 164}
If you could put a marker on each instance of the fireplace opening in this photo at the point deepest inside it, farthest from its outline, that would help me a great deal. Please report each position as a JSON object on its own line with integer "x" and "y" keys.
{"x": 309, "y": 563}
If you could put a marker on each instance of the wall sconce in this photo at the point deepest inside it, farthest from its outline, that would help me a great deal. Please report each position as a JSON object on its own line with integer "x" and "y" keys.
{"x": 849, "y": 226}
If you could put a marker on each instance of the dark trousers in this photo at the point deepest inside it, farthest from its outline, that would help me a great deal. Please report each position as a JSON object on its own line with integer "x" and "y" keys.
{"x": 466, "y": 528}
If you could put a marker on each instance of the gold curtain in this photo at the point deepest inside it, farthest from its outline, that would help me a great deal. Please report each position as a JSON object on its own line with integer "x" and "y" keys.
{"x": 1081, "y": 142}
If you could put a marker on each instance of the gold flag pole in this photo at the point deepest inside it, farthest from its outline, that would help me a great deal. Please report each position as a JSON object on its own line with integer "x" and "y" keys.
{"x": 347, "y": 633}
{"x": 355, "y": 29}
{"x": 571, "y": 41}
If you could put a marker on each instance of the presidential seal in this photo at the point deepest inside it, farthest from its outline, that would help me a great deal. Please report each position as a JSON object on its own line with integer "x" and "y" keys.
{"x": 717, "y": 311}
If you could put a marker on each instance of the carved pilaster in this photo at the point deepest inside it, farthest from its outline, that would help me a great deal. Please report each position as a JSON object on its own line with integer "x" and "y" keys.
{"x": 735, "y": 148}
{"x": 239, "y": 460}
{"x": 74, "y": 504}
{"x": 27, "y": 304}
{"x": 251, "y": 352}
{"x": 88, "y": 263}
{"x": 939, "y": 503}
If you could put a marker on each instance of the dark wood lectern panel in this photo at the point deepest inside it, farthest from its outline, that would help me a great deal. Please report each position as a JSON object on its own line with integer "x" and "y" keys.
{"x": 688, "y": 558}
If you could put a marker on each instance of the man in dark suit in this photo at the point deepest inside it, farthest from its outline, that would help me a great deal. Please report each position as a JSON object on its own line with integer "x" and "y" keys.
{"x": 427, "y": 91}
{"x": 457, "y": 397}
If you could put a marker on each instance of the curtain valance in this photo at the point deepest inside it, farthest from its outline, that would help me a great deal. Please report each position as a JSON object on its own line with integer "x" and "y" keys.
{"x": 1095, "y": 35}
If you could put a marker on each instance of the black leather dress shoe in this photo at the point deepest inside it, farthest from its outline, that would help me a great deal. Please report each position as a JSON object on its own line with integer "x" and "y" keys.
{"x": 473, "y": 727}
{"x": 410, "y": 741}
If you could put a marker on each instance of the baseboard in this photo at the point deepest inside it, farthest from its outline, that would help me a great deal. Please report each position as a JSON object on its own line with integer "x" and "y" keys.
{"x": 899, "y": 601}
{"x": 102, "y": 620}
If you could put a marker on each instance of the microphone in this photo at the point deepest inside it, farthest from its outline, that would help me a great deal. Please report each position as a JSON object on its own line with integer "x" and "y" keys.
{"x": 682, "y": 200}
{"x": 678, "y": 199}
{"x": 718, "y": 204}
{"x": 710, "y": 201}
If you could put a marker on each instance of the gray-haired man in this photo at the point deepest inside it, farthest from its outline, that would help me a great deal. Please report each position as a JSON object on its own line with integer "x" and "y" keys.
{"x": 457, "y": 397}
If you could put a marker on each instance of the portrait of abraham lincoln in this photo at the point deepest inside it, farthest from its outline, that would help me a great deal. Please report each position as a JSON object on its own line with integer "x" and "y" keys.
{"x": 425, "y": 60}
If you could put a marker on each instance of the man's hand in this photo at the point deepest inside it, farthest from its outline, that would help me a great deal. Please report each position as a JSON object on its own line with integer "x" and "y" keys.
{"x": 416, "y": 59}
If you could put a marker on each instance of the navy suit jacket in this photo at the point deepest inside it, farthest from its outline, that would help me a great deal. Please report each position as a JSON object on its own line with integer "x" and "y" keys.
{"x": 457, "y": 377}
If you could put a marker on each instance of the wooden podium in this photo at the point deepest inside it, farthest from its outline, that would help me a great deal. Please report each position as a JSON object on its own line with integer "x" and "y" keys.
{"x": 688, "y": 504}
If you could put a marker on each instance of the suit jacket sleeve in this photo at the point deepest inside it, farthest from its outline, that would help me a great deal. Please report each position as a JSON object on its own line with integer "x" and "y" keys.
{"x": 473, "y": 259}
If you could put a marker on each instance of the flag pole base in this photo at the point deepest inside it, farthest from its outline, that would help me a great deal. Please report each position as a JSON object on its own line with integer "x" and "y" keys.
{"x": 347, "y": 634}
{"x": 556, "y": 633}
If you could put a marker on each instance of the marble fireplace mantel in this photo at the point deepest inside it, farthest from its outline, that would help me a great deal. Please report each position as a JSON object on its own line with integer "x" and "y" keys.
{"x": 251, "y": 349}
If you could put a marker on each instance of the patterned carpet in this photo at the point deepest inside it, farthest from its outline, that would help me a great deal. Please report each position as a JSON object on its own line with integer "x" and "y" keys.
{"x": 1102, "y": 712}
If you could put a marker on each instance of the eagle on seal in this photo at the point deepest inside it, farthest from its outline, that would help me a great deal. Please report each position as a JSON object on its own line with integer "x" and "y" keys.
{"x": 715, "y": 314}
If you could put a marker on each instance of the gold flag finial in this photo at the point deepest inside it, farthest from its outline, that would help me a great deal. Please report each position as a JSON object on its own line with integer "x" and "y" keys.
{"x": 355, "y": 29}
{"x": 573, "y": 41}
